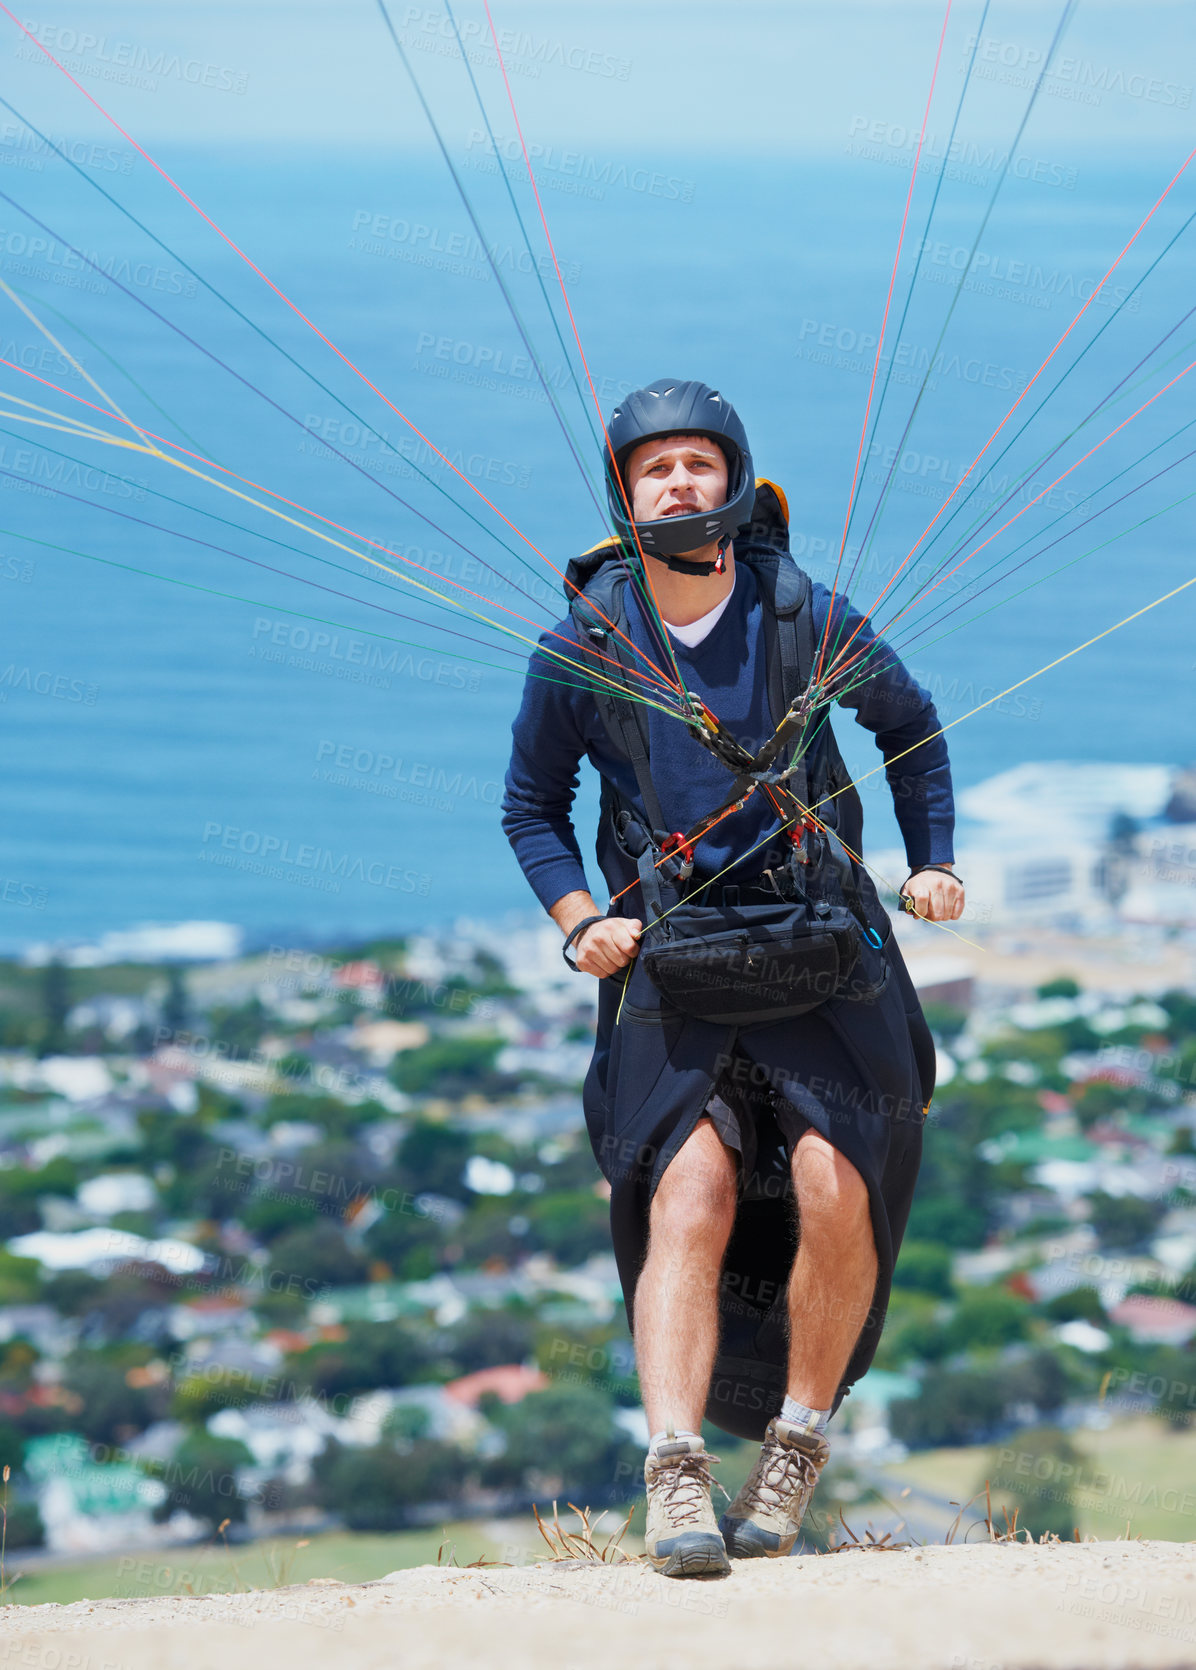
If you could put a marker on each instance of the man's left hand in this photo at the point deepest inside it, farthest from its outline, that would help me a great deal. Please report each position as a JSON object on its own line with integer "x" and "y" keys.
{"x": 937, "y": 897}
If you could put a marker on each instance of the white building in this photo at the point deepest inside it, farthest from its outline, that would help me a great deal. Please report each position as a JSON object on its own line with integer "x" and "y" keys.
{"x": 1033, "y": 847}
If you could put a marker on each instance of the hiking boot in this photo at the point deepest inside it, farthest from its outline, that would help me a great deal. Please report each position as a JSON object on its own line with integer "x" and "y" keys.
{"x": 766, "y": 1515}
{"x": 682, "y": 1538}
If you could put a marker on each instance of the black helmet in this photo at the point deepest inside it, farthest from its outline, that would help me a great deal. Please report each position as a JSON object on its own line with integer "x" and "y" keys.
{"x": 672, "y": 407}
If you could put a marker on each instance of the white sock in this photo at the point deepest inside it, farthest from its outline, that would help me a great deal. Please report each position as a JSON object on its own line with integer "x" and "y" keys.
{"x": 809, "y": 1420}
{"x": 658, "y": 1438}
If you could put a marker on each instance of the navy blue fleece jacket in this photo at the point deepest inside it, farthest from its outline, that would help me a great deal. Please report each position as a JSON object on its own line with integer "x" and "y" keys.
{"x": 559, "y": 724}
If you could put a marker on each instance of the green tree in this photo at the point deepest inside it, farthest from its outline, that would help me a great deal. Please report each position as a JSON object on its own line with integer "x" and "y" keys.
{"x": 1081, "y": 1304}
{"x": 197, "y": 1397}
{"x": 111, "y": 1410}
{"x": 1097, "y": 1102}
{"x": 214, "y": 1106}
{"x": 407, "y": 1423}
{"x": 487, "y": 1338}
{"x": 431, "y": 1159}
{"x": 201, "y": 1479}
{"x": 987, "y": 1318}
{"x": 339, "y": 1119}
{"x": 20, "y": 1279}
{"x": 565, "y": 1442}
{"x": 270, "y": 1215}
{"x": 571, "y": 1165}
{"x": 571, "y": 1225}
{"x": 197, "y": 1177}
{"x": 175, "y": 1005}
{"x": 21, "y": 1187}
{"x": 1123, "y": 1222}
{"x": 940, "y": 1216}
{"x": 19, "y": 1031}
{"x": 376, "y": 1489}
{"x": 169, "y": 1138}
{"x": 958, "y": 1190}
{"x": 1042, "y": 1379}
{"x": 317, "y": 1255}
{"x": 1181, "y": 1014}
{"x": 410, "y": 1243}
{"x": 924, "y": 1268}
{"x": 913, "y": 1330}
{"x": 1032, "y": 1476}
{"x": 1176, "y": 1370}
{"x": 71, "y": 1292}
{"x": 485, "y": 1233}
{"x": 131, "y": 1303}
{"x": 453, "y": 1067}
{"x": 371, "y": 1355}
{"x": 952, "y": 1407}
{"x": 12, "y": 1446}
{"x": 56, "y": 1004}
{"x": 240, "y": 1028}
{"x": 23, "y": 1524}
{"x": 331, "y": 1176}
{"x": 1182, "y": 1070}
{"x": 945, "y": 1020}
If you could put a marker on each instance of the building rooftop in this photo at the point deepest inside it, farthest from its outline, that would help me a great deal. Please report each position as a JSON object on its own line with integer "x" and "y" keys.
{"x": 510, "y": 1381}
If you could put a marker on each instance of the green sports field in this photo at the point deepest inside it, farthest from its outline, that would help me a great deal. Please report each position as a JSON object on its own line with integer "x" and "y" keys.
{"x": 1137, "y": 1476}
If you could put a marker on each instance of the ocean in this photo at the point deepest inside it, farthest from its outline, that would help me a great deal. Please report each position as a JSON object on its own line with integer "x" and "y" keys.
{"x": 243, "y": 747}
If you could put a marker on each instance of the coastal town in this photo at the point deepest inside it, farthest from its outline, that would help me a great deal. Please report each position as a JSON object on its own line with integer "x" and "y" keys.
{"x": 307, "y": 1237}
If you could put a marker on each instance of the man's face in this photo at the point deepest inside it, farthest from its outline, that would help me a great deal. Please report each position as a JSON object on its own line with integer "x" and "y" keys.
{"x": 677, "y": 475}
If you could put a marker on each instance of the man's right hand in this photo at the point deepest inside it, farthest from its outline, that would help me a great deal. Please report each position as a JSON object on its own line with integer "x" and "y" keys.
{"x": 608, "y": 946}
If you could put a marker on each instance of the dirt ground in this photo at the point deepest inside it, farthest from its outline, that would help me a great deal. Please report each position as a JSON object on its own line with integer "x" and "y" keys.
{"x": 1089, "y": 1606}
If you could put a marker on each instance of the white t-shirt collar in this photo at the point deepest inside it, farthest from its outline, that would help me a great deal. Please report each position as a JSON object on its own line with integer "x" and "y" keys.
{"x": 697, "y": 630}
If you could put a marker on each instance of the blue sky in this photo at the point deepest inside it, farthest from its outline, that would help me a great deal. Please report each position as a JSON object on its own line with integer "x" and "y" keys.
{"x": 696, "y": 76}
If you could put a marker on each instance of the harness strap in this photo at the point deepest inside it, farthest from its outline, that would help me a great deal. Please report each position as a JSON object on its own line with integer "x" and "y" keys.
{"x": 625, "y": 721}
{"x": 789, "y": 646}
{"x": 659, "y": 895}
{"x": 789, "y": 656}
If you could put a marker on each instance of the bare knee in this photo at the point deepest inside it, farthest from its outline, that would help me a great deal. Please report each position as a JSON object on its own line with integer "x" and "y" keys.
{"x": 830, "y": 1191}
{"x": 698, "y": 1189}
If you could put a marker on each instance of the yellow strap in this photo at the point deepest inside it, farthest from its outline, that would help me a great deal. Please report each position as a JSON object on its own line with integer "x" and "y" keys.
{"x": 602, "y": 545}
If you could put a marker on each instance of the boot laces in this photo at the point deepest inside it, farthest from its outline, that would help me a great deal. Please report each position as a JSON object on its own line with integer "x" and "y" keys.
{"x": 781, "y": 1473}
{"x": 684, "y": 1483}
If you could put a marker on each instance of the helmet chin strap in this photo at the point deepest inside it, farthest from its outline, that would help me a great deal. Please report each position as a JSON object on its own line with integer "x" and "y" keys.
{"x": 700, "y": 569}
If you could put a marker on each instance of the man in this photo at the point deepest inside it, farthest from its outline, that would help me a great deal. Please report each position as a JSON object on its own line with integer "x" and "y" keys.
{"x": 761, "y": 1173}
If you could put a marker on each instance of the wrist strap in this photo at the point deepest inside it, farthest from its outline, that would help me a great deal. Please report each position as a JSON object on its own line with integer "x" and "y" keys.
{"x": 907, "y": 904}
{"x": 576, "y": 933}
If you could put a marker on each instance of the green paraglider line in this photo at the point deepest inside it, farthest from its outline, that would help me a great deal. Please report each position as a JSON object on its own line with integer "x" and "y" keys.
{"x": 319, "y": 620}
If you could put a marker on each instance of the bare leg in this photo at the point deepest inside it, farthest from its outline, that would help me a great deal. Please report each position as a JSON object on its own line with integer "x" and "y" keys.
{"x": 834, "y": 1273}
{"x": 676, "y": 1297}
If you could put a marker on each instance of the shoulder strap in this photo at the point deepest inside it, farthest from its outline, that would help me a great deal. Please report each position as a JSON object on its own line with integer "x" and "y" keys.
{"x": 788, "y": 636}
{"x": 626, "y": 721}
{"x": 789, "y": 632}
{"x": 785, "y": 594}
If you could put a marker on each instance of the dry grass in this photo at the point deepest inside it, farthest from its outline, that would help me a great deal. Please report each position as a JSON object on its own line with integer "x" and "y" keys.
{"x": 563, "y": 1543}
{"x": 580, "y": 1545}
{"x": 6, "y": 1582}
{"x": 1011, "y": 1531}
{"x": 868, "y": 1543}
